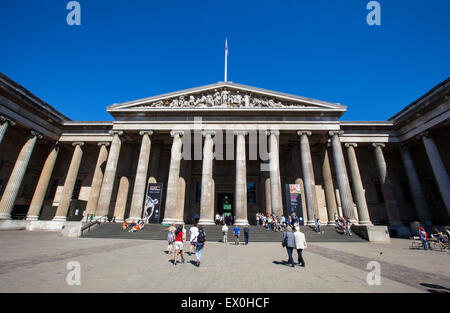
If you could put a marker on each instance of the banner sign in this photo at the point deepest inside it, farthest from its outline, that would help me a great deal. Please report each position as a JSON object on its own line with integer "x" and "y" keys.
{"x": 152, "y": 207}
{"x": 294, "y": 199}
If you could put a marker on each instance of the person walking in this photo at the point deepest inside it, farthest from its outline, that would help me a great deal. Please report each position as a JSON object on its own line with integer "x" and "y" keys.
{"x": 289, "y": 243}
{"x": 217, "y": 219}
{"x": 193, "y": 233}
{"x": 300, "y": 244}
{"x": 236, "y": 235}
{"x": 178, "y": 245}
{"x": 225, "y": 232}
{"x": 201, "y": 238}
{"x": 170, "y": 238}
{"x": 246, "y": 233}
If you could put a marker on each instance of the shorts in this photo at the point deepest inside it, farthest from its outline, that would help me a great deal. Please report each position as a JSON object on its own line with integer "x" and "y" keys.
{"x": 193, "y": 243}
{"x": 178, "y": 245}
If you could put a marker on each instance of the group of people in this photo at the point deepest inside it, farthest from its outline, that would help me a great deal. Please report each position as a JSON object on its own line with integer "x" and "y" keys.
{"x": 293, "y": 238}
{"x": 177, "y": 237}
{"x": 343, "y": 224}
{"x": 441, "y": 238}
{"x": 226, "y": 219}
{"x": 277, "y": 223}
{"x": 133, "y": 226}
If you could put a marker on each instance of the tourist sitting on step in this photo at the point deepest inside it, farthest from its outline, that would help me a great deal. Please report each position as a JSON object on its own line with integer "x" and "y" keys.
{"x": 124, "y": 226}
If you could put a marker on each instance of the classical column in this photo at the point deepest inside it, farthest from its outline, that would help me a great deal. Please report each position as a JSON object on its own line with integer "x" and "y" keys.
{"x": 439, "y": 170}
{"x": 94, "y": 193}
{"x": 206, "y": 205}
{"x": 342, "y": 178}
{"x": 104, "y": 199}
{"x": 308, "y": 177}
{"x": 275, "y": 181}
{"x": 180, "y": 198}
{"x": 358, "y": 189}
{"x": 4, "y": 122}
{"x": 69, "y": 183}
{"x": 16, "y": 177}
{"x": 140, "y": 182}
{"x": 170, "y": 214}
{"x": 42, "y": 185}
{"x": 390, "y": 202}
{"x": 330, "y": 197}
{"x": 414, "y": 186}
{"x": 241, "y": 180}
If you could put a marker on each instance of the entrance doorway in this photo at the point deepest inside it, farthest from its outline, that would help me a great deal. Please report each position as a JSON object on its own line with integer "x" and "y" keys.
{"x": 225, "y": 204}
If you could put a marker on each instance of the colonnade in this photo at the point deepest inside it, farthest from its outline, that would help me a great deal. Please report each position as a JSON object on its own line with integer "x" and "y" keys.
{"x": 103, "y": 182}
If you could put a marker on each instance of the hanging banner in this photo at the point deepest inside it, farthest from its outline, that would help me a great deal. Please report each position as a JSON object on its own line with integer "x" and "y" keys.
{"x": 152, "y": 207}
{"x": 294, "y": 199}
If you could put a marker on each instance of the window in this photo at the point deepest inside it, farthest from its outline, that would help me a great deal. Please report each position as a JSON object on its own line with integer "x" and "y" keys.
{"x": 76, "y": 190}
{"x": 379, "y": 191}
{"x": 251, "y": 192}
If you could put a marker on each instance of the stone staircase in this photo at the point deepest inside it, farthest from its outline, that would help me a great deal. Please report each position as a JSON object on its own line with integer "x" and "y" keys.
{"x": 214, "y": 233}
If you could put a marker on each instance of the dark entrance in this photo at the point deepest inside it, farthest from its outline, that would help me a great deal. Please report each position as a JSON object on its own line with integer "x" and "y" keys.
{"x": 225, "y": 204}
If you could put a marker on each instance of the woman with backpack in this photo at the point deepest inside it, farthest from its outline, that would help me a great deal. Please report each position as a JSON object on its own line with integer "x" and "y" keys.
{"x": 201, "y": 238}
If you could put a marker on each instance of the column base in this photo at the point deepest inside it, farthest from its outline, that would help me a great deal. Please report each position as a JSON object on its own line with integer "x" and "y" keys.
{"x": 59, "y": 219}
{"x": 119, "y": 220}
{"x": 206, "y": 222}
{"x": 241, "y": 222}
{"x": 310, "y": 223}
{"x": 32, "y": 217}
{"x": 170, "y": 220}
{"x": 5, "y": 216}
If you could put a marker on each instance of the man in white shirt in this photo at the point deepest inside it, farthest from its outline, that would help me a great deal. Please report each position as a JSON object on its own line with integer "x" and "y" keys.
{"x": 193, "y": 233}
{"x": 300, "y": 244}
{"x": 225, "y": 233}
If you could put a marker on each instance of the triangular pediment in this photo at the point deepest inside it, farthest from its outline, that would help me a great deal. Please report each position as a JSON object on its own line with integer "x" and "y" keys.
{"x": 225, "y": 96}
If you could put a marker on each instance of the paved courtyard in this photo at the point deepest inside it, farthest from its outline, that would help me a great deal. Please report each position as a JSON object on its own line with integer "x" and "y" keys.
{"x": 36, "y": 262}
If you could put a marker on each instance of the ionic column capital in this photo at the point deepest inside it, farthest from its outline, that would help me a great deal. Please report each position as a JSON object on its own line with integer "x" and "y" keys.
{"x": 36, "y": 134}
{"x": 304, "y": 132}
{"x": 339, "y": 133}
{"x": 146, "y": 132}
{"x": 103, "y": 143}
{"x": 273, "y": 132}
{"x": 116, "y": 132}
{"x": 78, "y": 143}
{"x": 378, "y": 144}
{"x": 4, "y": 119}
{"x": 207, "y": 133}
{"x": 425, "y": 134}
{"x": 178, "y": 133}
{"x": 351, "y": 144}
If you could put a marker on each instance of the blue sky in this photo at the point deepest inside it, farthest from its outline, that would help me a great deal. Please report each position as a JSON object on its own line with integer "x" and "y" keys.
{"x": 322, "y": 49}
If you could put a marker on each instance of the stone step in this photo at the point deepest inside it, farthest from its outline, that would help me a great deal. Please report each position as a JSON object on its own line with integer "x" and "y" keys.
{"x": 214, "y": 233}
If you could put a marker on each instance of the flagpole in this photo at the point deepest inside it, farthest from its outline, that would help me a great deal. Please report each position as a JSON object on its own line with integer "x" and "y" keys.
{"x": 226, "y": 58}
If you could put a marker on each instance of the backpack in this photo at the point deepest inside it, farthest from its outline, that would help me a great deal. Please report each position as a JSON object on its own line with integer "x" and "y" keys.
{"x": 201, "y": 237}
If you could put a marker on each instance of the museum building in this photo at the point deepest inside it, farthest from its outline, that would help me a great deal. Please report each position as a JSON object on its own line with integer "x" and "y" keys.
{"x": 225, "y": 147}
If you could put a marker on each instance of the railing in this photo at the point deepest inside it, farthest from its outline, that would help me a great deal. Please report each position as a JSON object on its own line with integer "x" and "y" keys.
{"x": 93, "y": 223}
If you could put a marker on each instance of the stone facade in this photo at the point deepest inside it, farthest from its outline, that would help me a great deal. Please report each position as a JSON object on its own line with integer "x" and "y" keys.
{"x": 225, "y": 140}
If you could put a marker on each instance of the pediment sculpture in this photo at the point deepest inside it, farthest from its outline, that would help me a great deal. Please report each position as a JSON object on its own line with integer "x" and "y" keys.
{"x": 221, "y": 99}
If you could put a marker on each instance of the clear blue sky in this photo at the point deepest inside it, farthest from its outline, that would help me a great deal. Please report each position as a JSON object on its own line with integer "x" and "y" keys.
{"x": 322, "y": 49}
